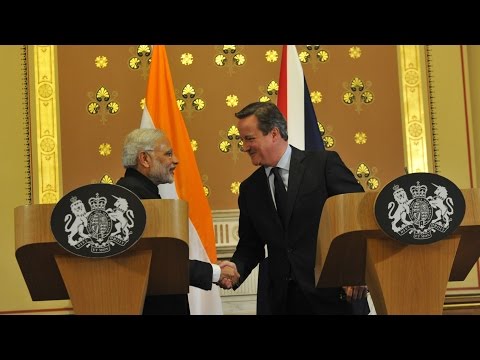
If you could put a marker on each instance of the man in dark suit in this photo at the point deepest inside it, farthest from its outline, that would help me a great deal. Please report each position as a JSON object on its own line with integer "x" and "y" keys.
{"x": 280, "y": 206}
{"x": 149, "y": 161}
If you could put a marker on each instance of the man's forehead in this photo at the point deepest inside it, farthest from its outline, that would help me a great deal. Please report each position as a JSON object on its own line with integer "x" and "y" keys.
{"x": 163, "y": 143}
{"x": 247, "y": 126}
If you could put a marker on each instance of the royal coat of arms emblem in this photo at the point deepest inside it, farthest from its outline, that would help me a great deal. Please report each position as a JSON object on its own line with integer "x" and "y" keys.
{"x": 433, "y": 208}
{"x": 114, "y": 222}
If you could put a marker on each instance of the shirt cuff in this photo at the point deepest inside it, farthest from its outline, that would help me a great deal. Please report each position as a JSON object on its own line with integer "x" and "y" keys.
{"x": 216, "y": 273}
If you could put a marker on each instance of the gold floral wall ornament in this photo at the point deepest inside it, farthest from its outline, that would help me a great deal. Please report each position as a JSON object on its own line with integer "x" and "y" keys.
{"x": 235, "y": 187}
{"x": 190, "y": 102}
{"x": 101, "y": 62}
{"x": 354, "y": 52}
{"x": 363, "y": 170}
{"x": 357, "y": 93}
{"x": 313, "y": 55}
{"x": 206, "y": 188}
{"x": 271, "y": 56}
{"x": 328, "y": 141}
{"x": 140, "y": 59}
{"x": 360, "y": 138}
{"x": 206, "y": 191}
{"x": 230, "y": 57}
{"x": 106, "y": 179}
{"x": 268, "y": 91}
{"x": 102, "y": 104}
{"x": 321, "y": 128}
{"x": 45, "y": 91}
{"x": 363, "y": 174}
{"x": 105, "y": 149}
{"x": 186, "y": 59}
{"x": 142, "y": 103}
{"x": 373, "y": 183}
{"x": 316, "y": 97}
{"x": 231, "y": 100}
{"x": 225, "y": 146}
{"x": 415, "y": 129}
{"x": 194, "y": 145}
{"x": 47, "y": 145}
{"x": 181, "y": 104}
{"x": 323, "y": 55}
{"x": 230, "y": 142}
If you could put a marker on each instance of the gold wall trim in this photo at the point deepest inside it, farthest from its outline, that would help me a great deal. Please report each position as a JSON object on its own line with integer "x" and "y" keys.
{"x": 47, "y": 137}
{"x": 415, "y": 122}
{"x": 26, "y": 125}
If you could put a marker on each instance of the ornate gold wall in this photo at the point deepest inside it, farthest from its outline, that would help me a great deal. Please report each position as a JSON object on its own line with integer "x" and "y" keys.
{"x": 376, "y": 105}
{"x": 355, "y": 90}
{"x": 16, "y": 142}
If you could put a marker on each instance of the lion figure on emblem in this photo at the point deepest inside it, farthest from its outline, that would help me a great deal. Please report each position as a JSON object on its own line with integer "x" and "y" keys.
{"x": 80, "y": 222}
{"x": 402, "y": 210}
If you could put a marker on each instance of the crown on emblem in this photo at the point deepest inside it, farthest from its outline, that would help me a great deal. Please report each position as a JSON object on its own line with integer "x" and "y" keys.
{"x": 97, "y": 202}
{"x": 397, "y": 189}
{"x": 74, "y": 201}
{"x": 419, "y": 191}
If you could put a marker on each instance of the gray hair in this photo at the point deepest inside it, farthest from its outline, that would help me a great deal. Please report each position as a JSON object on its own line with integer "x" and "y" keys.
{"x": 137, "y": 141}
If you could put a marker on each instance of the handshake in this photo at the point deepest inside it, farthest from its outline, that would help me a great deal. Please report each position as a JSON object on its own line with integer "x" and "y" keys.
{"x": 229, "y": 275}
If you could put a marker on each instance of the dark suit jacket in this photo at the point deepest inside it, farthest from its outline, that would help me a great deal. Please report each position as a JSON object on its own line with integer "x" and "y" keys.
{"x": 200, "y": 272}
{"x": 313, "y": 177}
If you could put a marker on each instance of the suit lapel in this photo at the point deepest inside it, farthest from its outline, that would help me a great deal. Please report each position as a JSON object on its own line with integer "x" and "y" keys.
{"x": 263, "y": 191}
{"x": 295, "y": 176}
{"x": 263, "y": 195}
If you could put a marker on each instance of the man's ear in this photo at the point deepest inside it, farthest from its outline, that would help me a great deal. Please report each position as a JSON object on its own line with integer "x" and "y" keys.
{"x": 275, "y": 134}
{"x": 143, "y": 160}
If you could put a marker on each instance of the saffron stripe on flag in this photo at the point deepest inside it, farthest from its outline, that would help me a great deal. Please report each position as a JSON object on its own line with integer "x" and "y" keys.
{"x": 161, "y": 112}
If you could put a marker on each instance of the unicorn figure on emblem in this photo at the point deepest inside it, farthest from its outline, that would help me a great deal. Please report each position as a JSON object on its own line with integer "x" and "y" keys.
{"x": 438, "y": 202}
{"x": 120, "y": 214}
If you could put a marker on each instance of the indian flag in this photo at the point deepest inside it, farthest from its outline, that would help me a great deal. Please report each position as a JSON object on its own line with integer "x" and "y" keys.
{"x": 161, "y": 112}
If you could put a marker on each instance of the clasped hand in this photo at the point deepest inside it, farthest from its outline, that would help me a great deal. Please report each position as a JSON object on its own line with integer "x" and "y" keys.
{"x": 229, "y": 275}
{"x": 355, "y": 292}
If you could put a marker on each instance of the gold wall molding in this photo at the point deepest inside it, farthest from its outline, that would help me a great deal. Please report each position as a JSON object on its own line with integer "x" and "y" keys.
{"x": 26, "y": 124}
{"x": 47, "y": 134}
{"x": 415, "y": 119}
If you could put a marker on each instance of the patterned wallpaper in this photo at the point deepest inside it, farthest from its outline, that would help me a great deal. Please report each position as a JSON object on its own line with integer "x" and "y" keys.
{"x": 354, "y": 89}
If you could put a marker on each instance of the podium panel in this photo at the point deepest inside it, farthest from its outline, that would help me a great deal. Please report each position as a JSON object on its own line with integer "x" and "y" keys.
{"x": 156, "y": 265}
{"x": 402, "y": 278}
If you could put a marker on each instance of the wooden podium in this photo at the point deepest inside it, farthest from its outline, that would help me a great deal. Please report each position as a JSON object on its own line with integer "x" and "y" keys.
{"x": 156, "y": 265}
{"x": 402, "y": 279}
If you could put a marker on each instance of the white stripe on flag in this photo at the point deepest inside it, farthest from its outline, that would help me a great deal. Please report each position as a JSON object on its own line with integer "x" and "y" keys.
{"x": 201, "y": 302}
{"x": 295, "y": 99}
